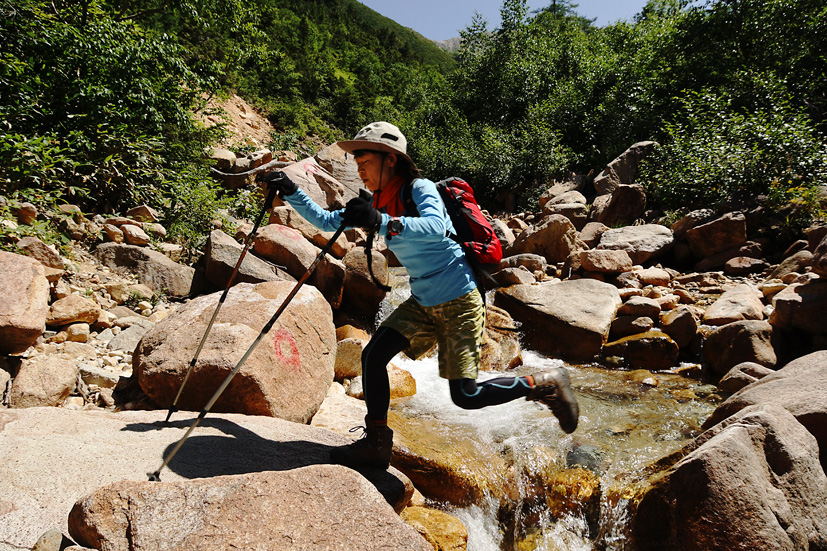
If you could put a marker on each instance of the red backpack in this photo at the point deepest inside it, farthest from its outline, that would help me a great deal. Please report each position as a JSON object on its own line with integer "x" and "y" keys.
{"x": 474, "y": 232}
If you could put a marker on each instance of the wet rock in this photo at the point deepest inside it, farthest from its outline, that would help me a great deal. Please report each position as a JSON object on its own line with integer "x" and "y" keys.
{"x": 623, "y": 326}
{"x": 295, "y": 358}
{"x": 751, "y": 482}
{"x": 653, "y": 350}
{"x": 441, "y": 530}
{"x": 642, "y": 243}
{"x": 445, "y": 464}
{"x": 571, "y": 318}
{"x": 24, "y": 304}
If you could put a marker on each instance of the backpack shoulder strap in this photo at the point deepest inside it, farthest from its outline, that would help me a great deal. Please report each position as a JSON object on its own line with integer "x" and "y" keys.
{"x": 407, "y": 200}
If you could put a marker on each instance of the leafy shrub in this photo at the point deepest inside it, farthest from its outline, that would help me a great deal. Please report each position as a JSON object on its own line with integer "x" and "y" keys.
{"x": 716, "y": 151}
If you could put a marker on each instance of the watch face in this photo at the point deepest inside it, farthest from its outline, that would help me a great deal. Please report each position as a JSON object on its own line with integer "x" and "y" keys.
{"x": 395, "y": 226}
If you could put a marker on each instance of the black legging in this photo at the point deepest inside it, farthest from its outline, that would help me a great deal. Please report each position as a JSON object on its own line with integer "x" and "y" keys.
{"x": 465, "y": 393}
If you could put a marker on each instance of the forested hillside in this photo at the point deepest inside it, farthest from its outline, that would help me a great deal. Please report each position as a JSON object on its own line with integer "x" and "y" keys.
{"x": 96, "y": 97}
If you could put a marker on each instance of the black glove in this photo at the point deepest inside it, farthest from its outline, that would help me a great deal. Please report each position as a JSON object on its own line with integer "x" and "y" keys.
{"x": 279, "y": 181}
{"x": 360, "y": 213}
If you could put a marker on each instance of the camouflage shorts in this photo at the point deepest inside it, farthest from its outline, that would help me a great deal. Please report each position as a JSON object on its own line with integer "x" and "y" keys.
{"x": 456, "y": 327}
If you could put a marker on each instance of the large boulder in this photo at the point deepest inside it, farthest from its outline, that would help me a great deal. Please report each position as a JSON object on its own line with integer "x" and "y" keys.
{"x": 752, "y": 482}
{"x": 622, "y": 169}
{"x": 653, "y": 350}
{"x": 324, "y": 186}
{"x": 737, "y": 342}
{"x": 152, "y": 268}
{"x": 802, "y": 307}
{"x": 819, "y": 260}
{"x": 623, "y": 206}
{"x": 52, "y": 457}
{"x": 287, "y": 216}
{"x": 643, "y": 243}
{"x": 742, "y": 302}
{"x": 222, "y": 258}
{"x": 727, "y": 232}
{"x": 800, "y": 387}
{"x": 295, "y": 358}
{"x": 361, "y": 293}
{"x": 286, "y": 247}
{"x": 24, "y": 303}
{"x": 73, "y": 309}
{"x": 45, "y": 380}
{"x": 554, "y": 239}
{"x": 313, "y": 507}
{"x": 570, "y": 318}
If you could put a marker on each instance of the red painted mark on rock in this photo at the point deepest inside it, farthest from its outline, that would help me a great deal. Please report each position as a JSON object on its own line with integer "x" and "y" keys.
{"x": 286, "y": 350}
{"x": 312, "y": 168}
{"x": 289, "y": 232}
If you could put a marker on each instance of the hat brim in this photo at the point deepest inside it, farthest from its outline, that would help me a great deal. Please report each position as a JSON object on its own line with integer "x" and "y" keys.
{"x": 355, "y": 145}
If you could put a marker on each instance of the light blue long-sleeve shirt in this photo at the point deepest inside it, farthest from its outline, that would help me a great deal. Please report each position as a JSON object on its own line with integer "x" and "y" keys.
{"x": 435, "y": 263}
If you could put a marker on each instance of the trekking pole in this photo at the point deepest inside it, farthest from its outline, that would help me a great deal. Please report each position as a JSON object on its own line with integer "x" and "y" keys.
{"x": 271, "y": 194}
{"x": 155, "y": 476}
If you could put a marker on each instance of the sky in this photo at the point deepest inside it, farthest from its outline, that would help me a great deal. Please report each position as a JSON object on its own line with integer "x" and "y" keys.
{"x": 442, "y": 19}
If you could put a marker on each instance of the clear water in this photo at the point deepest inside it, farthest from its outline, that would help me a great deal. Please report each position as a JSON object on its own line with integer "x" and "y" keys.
{"x": 627, "y": 422}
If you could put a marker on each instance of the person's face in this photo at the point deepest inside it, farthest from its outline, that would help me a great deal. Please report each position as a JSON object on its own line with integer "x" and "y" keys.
{"x": 372, "y": 170}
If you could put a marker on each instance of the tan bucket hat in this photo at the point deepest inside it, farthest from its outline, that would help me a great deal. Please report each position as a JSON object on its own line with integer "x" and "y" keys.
{"x": 378, "y": 136}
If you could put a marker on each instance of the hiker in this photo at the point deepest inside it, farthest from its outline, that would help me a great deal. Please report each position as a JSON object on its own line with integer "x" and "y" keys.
{"x": 445, "y": 306}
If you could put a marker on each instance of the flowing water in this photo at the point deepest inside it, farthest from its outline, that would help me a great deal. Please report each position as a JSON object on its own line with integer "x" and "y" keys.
{"x": 628, "y": 420}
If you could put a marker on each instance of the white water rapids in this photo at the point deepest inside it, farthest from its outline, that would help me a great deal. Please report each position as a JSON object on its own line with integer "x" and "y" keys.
{"x": 626, "y": 423}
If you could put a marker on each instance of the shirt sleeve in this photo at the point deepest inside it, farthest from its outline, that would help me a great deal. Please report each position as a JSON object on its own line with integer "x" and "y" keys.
{"x": 433, "y": 223}
{"x": 313, "y": 213}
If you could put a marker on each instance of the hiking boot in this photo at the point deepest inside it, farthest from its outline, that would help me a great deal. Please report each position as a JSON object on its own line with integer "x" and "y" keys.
{"x": 552, "y": 388}
{"x": 373, "y": 449}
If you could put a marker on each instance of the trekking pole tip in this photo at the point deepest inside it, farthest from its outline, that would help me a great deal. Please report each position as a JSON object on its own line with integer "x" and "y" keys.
{"x": 154, "y": 477}
{"x": 172, "y": 409}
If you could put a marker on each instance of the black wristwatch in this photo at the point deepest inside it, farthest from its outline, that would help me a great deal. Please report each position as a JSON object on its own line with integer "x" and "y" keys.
{"x": 395, "y": 226}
